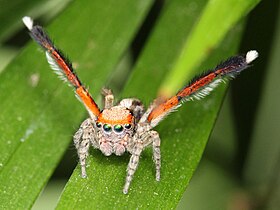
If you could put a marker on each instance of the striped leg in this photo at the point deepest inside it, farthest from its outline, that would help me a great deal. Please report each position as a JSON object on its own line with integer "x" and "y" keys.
{"x": 156, "y": 152}
{"x": 82, "y": 139}
{"x": 151, "y": 137}
{"x": 132, "y": 165}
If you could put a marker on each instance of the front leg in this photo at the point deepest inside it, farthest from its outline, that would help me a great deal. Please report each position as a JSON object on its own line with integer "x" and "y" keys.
{"x": 151, "y": 137}
{"x": 156, "y": 152}
{"x": 82, "y": 140}
{"x": 132, "y": 165}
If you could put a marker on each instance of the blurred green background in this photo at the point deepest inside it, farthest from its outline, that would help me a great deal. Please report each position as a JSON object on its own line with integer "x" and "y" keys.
{"x": 240, "y": 165}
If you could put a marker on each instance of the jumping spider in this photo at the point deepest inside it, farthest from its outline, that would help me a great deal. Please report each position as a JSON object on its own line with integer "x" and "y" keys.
{"x": 127, "y": 126}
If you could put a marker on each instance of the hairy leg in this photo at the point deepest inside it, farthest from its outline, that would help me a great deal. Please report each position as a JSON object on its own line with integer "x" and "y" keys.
{"x": 135, "y": 105}
{"x": 151, "y": 137}
{"x": 82, "y": 140}
{"x": 132, "y": 165}
{"x": 109, "y": 98}
{"x": 156, "y": 152}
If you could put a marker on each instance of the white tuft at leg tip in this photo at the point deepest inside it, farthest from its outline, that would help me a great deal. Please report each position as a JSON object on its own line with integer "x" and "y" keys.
{"x": 251, "y": 56}
{"x": 28, "y": 22}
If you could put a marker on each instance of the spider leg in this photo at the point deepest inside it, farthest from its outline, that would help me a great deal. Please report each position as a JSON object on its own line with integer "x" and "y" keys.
{"x": 201, "y": 86}
{"x": 61, "y": 66}
{"x": 132, "y": 165}
{"x": 156, "y": 152}
{"x": 154, "y": 104}
{"x": 150, "y": 137}
{"x": 109, "y": 98}
{"x": 144, "y": 117}
{"x": 82, "y": 139}
{"x": 135, "y": 106}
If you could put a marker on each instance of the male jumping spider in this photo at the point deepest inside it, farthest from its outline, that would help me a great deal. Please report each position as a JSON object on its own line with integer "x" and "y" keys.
{"x": 127, "y": 126}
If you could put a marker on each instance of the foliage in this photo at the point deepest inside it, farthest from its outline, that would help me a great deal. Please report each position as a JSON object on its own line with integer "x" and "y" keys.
{"x": 159, "y": 46}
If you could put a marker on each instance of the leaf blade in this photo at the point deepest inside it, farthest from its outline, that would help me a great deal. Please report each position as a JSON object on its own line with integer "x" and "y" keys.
{"x": 106, "y": 174}
{"x": 217, "y": 19}
{"x": 35, "y": 130}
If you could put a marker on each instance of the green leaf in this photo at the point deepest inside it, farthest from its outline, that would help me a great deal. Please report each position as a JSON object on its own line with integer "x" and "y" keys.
{"x": 11, "y": 20}
{"x": 217, "y": 19}
{"x": 261, "y": 169}
{"x": 38, "y": 113}
{"x": 11, "y": 23}
{"x": 183, "y": 134}
{"x": 218, "y": 189}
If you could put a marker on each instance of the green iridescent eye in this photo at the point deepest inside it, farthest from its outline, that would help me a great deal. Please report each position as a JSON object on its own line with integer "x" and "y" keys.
{"x": 118, "y": 128}
{"x": 98, "y": 124}
{"x": 127, "y": 126}
{"x": 107, "y": 127}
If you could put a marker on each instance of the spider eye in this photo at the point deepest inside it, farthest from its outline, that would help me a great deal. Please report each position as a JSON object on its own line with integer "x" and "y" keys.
{"x": 98, "y": 124}
{"x": 107, "y": 127}
{"x": 118, "y": 128}
{"x": 127, "y": 126}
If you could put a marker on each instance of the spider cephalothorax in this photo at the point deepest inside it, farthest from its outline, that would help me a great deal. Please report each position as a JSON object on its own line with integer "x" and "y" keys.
{"x": 127, "y": 126}
{"x": 114, "y": 126}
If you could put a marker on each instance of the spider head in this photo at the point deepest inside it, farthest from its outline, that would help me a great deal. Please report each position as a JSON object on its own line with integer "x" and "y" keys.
{"x": 115, "y": 123}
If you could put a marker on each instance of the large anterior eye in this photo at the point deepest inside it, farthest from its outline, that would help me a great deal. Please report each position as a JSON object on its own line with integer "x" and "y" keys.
{"x": 118, "y": 128}
{"x": 107, "y": 127}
